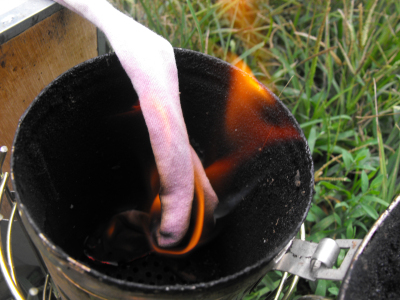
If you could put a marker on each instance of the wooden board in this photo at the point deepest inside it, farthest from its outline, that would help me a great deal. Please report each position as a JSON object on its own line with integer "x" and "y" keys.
{"x": 31, "y": 60}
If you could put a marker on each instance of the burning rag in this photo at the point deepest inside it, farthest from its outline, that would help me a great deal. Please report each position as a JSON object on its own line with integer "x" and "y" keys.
{"x": 149, "y": 61}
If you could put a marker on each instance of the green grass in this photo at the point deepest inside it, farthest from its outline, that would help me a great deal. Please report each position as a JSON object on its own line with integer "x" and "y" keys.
{"x": 335, "y": 65}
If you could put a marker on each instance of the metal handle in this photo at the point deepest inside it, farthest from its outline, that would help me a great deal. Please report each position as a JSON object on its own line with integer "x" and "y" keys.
{"x": 13, "y": 286}
{"x": 8, "y": 272}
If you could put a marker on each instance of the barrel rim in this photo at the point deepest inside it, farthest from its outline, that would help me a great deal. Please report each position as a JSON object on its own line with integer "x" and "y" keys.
{"x": 60, "y": 253}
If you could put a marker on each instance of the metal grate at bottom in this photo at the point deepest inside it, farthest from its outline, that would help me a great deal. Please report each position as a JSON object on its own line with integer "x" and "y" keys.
{"x": 160, "y": 270}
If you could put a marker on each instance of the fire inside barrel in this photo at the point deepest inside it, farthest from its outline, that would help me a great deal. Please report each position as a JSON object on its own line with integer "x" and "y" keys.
{"x": 75, "y": 167}
{"x": 253, "y": 120}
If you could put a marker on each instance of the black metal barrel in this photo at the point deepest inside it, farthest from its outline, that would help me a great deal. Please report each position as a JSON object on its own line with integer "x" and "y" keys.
{"x": 82, "y": 153}
{"x": 375, "y": 270}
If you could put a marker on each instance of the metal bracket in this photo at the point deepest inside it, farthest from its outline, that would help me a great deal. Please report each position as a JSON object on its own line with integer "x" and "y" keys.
{"x": 313, "y": 261}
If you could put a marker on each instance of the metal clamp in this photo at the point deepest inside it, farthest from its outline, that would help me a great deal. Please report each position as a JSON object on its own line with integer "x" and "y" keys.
{"x": 313, "y": 261}
{"x": 296, "y": 278}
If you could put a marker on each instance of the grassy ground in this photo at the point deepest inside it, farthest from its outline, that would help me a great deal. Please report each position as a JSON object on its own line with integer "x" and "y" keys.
{"x": 335, "y": 65}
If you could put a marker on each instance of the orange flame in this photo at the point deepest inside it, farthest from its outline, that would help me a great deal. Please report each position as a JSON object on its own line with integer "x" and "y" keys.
{"x": 110, "y": 230}
{"x": 254, "y": 119}
{"x": 254, "y": 116}
{"x": 198, "y": 225}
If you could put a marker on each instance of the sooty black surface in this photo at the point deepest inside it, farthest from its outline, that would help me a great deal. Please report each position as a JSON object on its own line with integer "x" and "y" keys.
{"x": 376, "y": 273}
